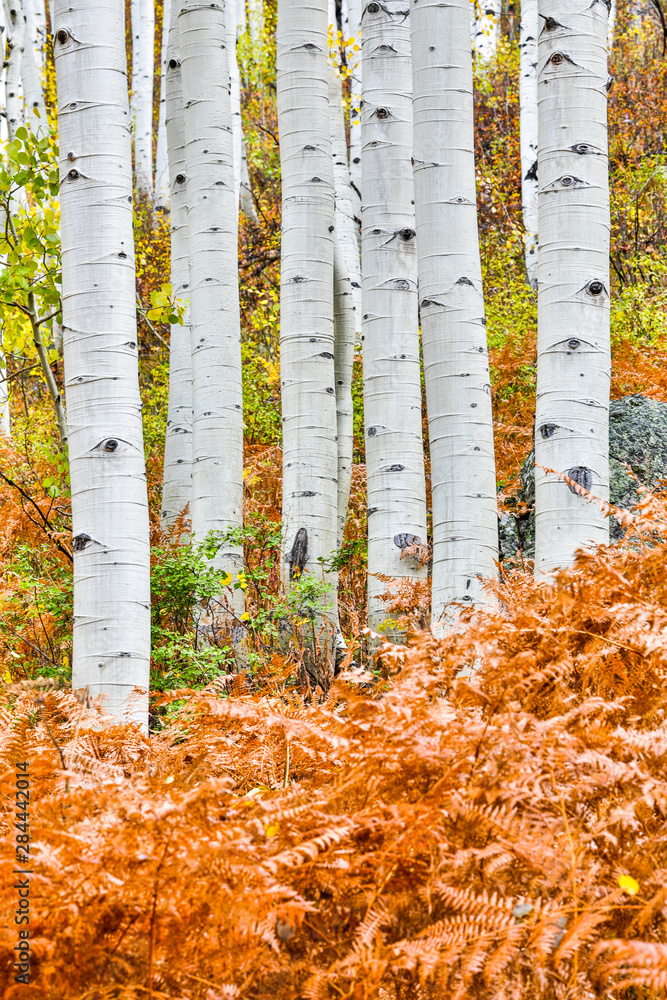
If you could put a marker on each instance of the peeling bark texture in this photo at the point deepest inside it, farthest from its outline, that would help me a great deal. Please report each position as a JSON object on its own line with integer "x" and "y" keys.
{"x": 456, "y": 366}
{"x": 143, "y": 41}
{"x": 310, "y": 452}
{"x": 573, "y": 350}
{"x": 485, "y": 27}
{"x": 33, "y": 95}
{"x": 106, "y": 455}
{"x": 354, "y": 59}
{"x": 217, "y": 430}
{"x": 13, "y": 91}
{"x": 528, "y": 124}
{"x": 343, "y": 360}
{"x": 162, "y": 182}
{"x": 177, "y": 481}
{"x": 390, "y": 337}
{"x": 347, "y": 228}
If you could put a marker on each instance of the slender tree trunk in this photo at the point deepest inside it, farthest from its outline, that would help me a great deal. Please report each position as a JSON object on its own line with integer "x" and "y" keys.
{"x": 485, "y": 28}
{"x": 573, "y": 351}
{"x": 177, "y": 480}
{"x": 241, "y": 178}
{"x": 392, "y": 384}
{"x": 162, "y": 182}
{"x": 310, "y": 452}
{"x": 344, "y": 361}
{"x": 13, "y": 90}
{"x": 347, "y": 229}
{"x": 5, "y": 419}
{"x": 456, "y": 366}
{"x": 109, "y": 503}
{"x": 143, "y": 42}
{"x": 217, "y": 438}
{"x": 33, "y": 95}
{"x": 3, "y": 75}
{"x": 256, "y": 22}
{"x": 354, "y": 57}
{"x": 528, "y": 122}
{"x": 35, "y": 16}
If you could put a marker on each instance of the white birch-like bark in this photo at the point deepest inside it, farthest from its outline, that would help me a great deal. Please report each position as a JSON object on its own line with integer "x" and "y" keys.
{"x": 162, "y": 182}
{"x": 33, "y": 94}
{"x": 13, "y": 90}
{"x": 106, "y": 455}
{"x": 573, "y": 350}
{"x": 347, "y": 229}
{"x": 35, "y": 17}
{"x": 354, "y": 61}
{"x": 611, "y": 27}
{"x": 456, "y": 365}
{"x": 3, "y": 75}
{"x": 310, "y": 452}
{"x": 143, "y": 41}
{"x": 256, "y": 24}
{"x": 217, "y": 430}
{"x": 390, "y": 325}
{"x": 241, "y": 177}
{"x": 344, "y": 327}
{"x": 485, "y": 28}
{"x": 528, "y": 34}
{"x": 177, "y": 480}
{"x": 5, "y": 420}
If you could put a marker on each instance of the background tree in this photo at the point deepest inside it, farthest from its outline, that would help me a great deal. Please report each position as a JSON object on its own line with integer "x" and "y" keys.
{"x": 143, "y": 42}
{"x": 573, "y": 349}
{"x": 109, "y": 502}
{"x": 529, "y": 31}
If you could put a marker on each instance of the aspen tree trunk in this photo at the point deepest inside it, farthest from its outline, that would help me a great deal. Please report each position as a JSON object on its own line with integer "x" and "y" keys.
{"x": 217, "y": 430}
{"x": 241, "y": 178}
{"x": 35, "y": 17}
{"x": 3, "y": 75}
{"x": 529, "y": 31}
{"x": 573, "y": 351}
{"x": 344, "y": 327}
{"x": 485, "y": 28}
{"x": 106, "y": 456}
{"x": 456, "y": 366}
{"x": 347, "y": 230}
{"x": 143, "y": 41}
{"x": 177, "y": 480}
{"x": 354, "y": 57}
{"x": 256, "y": 23}
{"x": 162, "y": 182}
{"x": 5, "y": 420}
{"x": 392, "y": 385}
{"x": 310, "y": 452}
{"x": 13, "y": 90}
{"x": 33, "y": 95}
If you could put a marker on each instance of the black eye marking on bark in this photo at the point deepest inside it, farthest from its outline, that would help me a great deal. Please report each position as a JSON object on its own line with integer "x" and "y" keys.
{"x": 79, "y": 542}
{"x": 574, "y": 344}
{"x": 310, "y": 146}
{"x": 402, "y": 284}
{"x": 373, "y": 8}
{"x": 331, "y": 229}
{"x": 464, "y": 281}
{"x": 330, "y": 388}
{"x": 174, "y": 63}
{"x": 559, "y": 57}
{"x": 316, "y": 180}
{"x": 298, "y": 553}
{"x": 407, "y": 234}
{"x": 382, "y": 113}
{"x": 547, "y": 430}
{"x": 405, "y": 539}
{"x": 609, "y": 83}
{"x": 62, "y": 36}
{"x": 180, "y": 178}
{"x": 581, "y": 148}
{"x": 460, "y": 200}
{"x": 550, "y": 23}
{"x": 371, "y": 432}
{"x": 326, "y": 354}
{"x": 110, "y": 445}
{"x": 73, "y": 175}
{"x": 73, "y": 106}
{"x": 122, "y": 255}
{"x": 595, "y": 287}
{"x": 376, "y": 232}
{"x": 298, "y": 278}
{"x": 581, "y": 476}
{"x": 395, "y": 468}
{"x": 71, "y": 156}
{"x": 568, "y": 180}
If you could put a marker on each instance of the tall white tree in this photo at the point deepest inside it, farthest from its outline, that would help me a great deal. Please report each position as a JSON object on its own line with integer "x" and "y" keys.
{"x": 310, "y": 453}
{"x": 15, "y": 23}
{"x": 143, "y": 42}
{"x": 354, "y": 55}
{"x": 33, "y": 94}
{"x": 528, "y": 35}
{"x": 35, "y": 17}
{"x": 573, "y": 350}
{"x": 109, "y": 502}
{"x": 177, "y": 480}
{"x": 162, "y": 181}
{"x": 456, "y": 365}
{"x": 485, "y": 27}
{"x": 390, "y": 328}
{"x": 241, "y": 178}
{"x": 217, "y": 429}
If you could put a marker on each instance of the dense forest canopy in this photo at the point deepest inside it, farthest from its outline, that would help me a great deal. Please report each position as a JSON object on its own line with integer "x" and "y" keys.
{"x": 333, "y": 443}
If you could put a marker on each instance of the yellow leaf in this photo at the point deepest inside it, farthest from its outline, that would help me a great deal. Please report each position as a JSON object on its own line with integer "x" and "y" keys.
{"x": 271, "y": 830}
{"x": 8, "y": 677}
{"x": 245, "y": 616}
{"x": 628, "y": 884}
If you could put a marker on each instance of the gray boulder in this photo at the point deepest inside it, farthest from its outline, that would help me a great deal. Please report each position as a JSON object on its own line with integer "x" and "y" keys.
{"x": 637, "y": 438}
